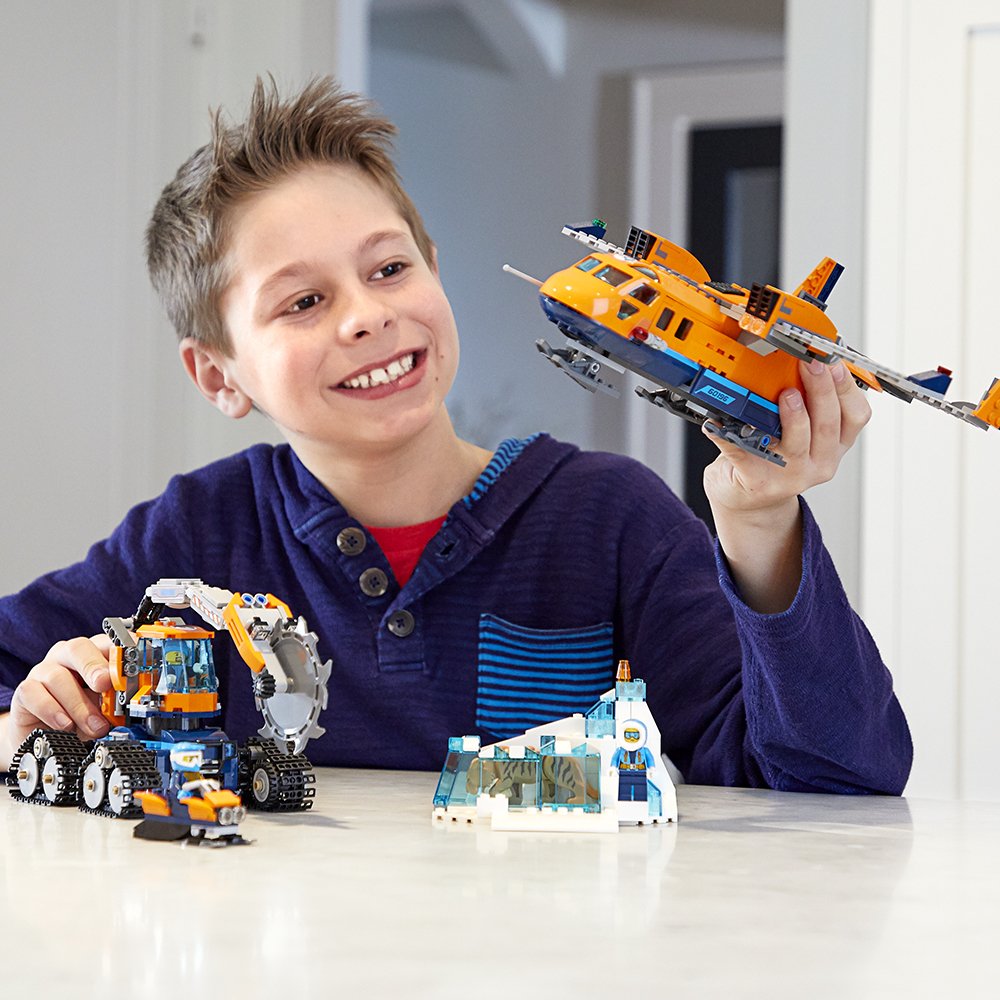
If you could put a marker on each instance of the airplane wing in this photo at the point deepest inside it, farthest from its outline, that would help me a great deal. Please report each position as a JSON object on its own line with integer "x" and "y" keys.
{"x": 894, "y": 382}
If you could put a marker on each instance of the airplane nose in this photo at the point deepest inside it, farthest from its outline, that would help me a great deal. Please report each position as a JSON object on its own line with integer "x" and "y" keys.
{"x": 560, "y": 285}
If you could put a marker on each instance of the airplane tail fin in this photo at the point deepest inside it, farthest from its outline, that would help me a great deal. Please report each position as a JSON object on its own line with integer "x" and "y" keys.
{"x": 817, "y": 286}
{"x": 937, "y": 381}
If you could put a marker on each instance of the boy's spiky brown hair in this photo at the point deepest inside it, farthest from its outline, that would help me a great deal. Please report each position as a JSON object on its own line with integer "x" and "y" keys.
{"x": 186, "y": 240}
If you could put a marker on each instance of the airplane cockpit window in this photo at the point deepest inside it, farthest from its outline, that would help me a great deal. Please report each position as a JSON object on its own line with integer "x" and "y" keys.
{"x": 648, "y": 272}
{"x": 589, "y": 264}
{"x": 643, "y": 294}
{"x": 626, "y": 309}
{"x": 611, "y": 275}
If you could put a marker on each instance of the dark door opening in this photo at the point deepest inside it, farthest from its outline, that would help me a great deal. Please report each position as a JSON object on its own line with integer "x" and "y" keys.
{"x": 734, "y": 229}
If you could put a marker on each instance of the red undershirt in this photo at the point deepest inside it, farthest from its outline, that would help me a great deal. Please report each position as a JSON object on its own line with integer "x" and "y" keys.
{"x": 403, "y": 546}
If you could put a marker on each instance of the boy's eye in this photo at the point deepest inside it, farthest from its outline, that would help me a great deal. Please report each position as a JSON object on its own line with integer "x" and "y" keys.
{"x": 390, "y": 270}
{"x": 306, "y": 302}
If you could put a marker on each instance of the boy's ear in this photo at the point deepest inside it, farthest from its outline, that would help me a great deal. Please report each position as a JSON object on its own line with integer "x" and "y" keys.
{"x": 209, "y": 372}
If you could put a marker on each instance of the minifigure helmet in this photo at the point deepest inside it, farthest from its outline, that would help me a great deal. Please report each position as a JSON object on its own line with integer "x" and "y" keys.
{"x": 632, "y": 734}
{"x": 187, "y": 756}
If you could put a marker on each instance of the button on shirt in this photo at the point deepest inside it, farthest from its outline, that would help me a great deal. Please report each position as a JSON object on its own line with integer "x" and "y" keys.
{"x": 404, "y": 546}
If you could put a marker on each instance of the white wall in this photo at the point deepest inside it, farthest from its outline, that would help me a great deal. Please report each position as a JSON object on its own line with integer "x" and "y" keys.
{"x": 900, "y": 99}
{"x": 99, "y": 104}
{"x": 931, "y": 532}
{"x": 826, "y": 91}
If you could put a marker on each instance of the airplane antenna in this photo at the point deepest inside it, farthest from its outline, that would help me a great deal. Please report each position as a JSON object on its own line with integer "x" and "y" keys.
{"x": 522, "y": 275}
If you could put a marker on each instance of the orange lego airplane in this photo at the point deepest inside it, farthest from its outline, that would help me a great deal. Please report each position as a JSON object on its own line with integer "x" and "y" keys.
{"x": 720, "y": 353}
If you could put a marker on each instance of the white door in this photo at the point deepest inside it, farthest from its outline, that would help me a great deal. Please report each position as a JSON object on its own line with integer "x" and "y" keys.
{"x": 931, "y": 536}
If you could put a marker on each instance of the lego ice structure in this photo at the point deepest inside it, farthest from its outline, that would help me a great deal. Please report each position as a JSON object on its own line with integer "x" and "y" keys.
{"x": 717, "y": 353}
{"x": 165, "y": 700}
{"x": 591, "y": 772}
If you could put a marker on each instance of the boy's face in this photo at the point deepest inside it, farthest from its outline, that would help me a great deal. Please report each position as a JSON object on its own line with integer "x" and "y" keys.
{"x": 340, "y": 330}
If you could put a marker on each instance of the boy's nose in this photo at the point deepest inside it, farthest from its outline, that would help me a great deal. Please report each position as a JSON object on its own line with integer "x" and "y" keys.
{"x": 363, "y": 313}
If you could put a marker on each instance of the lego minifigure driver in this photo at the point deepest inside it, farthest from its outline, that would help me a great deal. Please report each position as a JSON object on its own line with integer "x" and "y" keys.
{"x": 633, "y": 760}
{"x": 187, "y": 759}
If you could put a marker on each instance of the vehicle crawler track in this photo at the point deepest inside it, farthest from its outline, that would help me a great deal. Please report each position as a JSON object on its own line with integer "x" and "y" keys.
{"x": 273, "y": 781}
{"x": 47, "y": 766}
{"x": 130, "y": 768}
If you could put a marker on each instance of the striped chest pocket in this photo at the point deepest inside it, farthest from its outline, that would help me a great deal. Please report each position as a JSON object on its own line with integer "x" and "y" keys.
{"x": 530, "y": 676}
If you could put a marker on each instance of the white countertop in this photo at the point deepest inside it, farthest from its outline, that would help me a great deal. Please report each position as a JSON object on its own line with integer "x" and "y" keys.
{"x": 751, "y": 894}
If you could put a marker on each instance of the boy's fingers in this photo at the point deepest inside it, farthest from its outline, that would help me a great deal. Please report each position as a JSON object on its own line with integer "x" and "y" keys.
{"x": 738, "y": 457}
{"x": 103, "y": 643}
{"x": 75, "y": 700}
{"x": 84, "y": 658}
{"x": 824, "y": 404}
{"x": 855, "y": 409}
{"x": 725, "y": 447}
{"x": 32, "y": 705}
{"x": 796, "y": 433}
{"x": 738, "y": 469}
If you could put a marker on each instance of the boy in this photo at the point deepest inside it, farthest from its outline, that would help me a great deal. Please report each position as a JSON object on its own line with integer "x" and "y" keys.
{"x": 302, "y": 283}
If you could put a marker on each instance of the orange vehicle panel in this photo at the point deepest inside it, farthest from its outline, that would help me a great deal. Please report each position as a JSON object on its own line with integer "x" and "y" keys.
{"x": 200, "y": 701}
{"x": 988, "y": 409}
{"x": 158, "y": 631}
{"x": 116, "y": 661}
{"x": 153, "y": 804}
{"x": 108, "y": 707}
{"x": 244, "y": 646}
{"x": 221, "y": 798}
{"x": 198, "y": 808}
{"x": 710, "y": 336}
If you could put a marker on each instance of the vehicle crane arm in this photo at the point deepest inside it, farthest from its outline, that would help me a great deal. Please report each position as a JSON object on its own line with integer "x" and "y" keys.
{"x": 290, "y": 683}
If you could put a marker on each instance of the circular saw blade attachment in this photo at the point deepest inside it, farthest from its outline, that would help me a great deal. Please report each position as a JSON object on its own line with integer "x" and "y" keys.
{"x": 291, "y": 714}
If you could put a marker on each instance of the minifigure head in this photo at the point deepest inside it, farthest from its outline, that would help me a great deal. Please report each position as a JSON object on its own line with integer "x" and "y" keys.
{"x": 188, "y": 236}
{"x": 632, "y": 735}
{"x": 187, "y": 757}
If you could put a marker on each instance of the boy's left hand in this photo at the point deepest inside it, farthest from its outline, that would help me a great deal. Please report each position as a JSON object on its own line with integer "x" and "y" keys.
{"x": 816, "y": 432}
{"x": 755, "y": 502}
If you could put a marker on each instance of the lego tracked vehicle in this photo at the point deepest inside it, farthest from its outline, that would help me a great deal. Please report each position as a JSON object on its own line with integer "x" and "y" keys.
{"x": 164, "y": 706}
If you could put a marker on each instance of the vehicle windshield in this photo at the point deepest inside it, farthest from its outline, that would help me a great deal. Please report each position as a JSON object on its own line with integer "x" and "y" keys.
{"x": 185, "y": 665}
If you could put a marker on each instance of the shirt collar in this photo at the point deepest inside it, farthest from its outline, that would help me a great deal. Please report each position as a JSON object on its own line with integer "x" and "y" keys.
{"x": 494, "y": 497}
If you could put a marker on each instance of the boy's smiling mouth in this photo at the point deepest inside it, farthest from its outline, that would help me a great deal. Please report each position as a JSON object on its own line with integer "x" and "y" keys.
{"x": 392, "y": 375}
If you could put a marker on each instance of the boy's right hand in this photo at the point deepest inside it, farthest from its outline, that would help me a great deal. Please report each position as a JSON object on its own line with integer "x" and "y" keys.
{"x": 62, "y": 692}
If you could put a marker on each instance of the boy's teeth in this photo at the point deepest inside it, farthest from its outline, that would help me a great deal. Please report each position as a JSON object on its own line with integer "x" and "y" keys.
{"x": 381, "y": 376}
